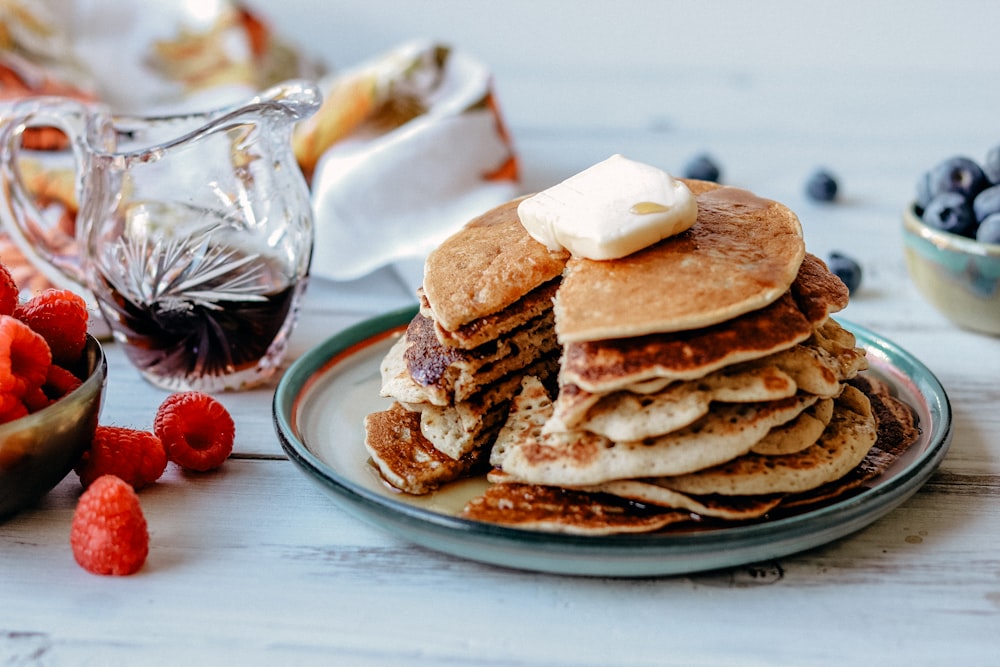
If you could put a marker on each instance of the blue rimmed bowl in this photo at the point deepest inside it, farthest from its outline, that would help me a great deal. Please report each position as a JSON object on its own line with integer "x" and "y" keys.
{"x": 957, "y": 275}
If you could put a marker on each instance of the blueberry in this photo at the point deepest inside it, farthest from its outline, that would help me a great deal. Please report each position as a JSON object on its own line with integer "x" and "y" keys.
{"x": 957, "y": 174}
{"x": 703, "y": 168}
{"x": 845, "y": 268}
{"x": 923, "y": 192}
{"x": 989, "y": 229}
{"x": 986, "y": 203}
{"x": 991, "y": 165}
{"x": 822, "y": 186}
{"x": 950, "y": 212}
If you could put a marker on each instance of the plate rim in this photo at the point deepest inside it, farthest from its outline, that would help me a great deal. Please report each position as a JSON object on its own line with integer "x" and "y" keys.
{"x": 610, "y": 555}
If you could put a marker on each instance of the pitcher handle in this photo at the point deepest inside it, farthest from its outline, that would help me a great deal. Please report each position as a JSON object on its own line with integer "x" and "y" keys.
{"x": 54, "y": 254}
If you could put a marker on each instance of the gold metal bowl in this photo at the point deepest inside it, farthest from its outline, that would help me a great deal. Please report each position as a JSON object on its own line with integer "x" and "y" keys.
{"x": 37, "y": 451}
{"x": 959, "y": 276}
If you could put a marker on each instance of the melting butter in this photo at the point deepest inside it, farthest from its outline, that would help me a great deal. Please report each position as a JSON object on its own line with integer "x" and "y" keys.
{"x": 609, "y": 210}
{"x": 648, "y": 208}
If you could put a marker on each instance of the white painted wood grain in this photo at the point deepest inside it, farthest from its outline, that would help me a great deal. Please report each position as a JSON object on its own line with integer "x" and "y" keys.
{"x": 255, "y": 561}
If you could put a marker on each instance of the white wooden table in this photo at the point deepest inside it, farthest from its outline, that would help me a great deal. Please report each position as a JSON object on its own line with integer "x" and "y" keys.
{"x": 254, "y": 565}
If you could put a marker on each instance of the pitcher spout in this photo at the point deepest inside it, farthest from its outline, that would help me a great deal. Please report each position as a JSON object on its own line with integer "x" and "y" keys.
{"x": 298, "y": 98}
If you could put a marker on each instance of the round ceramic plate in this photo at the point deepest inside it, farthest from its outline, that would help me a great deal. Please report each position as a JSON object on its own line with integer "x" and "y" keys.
{"x": 321, "y": 401}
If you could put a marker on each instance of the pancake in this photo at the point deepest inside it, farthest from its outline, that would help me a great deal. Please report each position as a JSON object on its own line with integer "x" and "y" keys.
{"x": 821, "y": 364}
{"x": 456, "y": 429}
{"x": 733, "y": 508}
{"x": 579, "y": 510}
{"x": 742, "y": 253}
{"x": 897, "y": 431}
{"x": 729, "y": 508}
{"x": 580, "y": 458}
{"x": 532, "y": 305}
{"x": 453, "y": 374}
{"x": 816, "y": 366}
{"x": 625, "y": 415}
{"x": 405, "y": 459}
{"x": 818, "y": 292}
{"x": 608, "y": 365}
{"x": 485, "y": 267}
{"x": 897, "y": 423}
{"x": 565, "y": 511}
{"x": 418, "y": 369}
{"x": 801, "y": 432}
{"x": 396, "y": 381}
{"x": 529, "y": 410}
{"x": 845, "y": 442}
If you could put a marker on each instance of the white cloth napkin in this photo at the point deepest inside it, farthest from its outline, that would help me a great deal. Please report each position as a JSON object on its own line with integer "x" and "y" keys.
{"x": 390, "y": 197}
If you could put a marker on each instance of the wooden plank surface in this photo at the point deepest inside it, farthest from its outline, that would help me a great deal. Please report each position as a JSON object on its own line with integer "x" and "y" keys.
{"x": 255, "y": 564}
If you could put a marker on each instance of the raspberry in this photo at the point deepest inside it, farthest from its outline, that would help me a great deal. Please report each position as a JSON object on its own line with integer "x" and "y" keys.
{"x": 135, "y": 456}
{"x": 59, "y": 382}
{"x": 24, "y": 357}
{"x": 109, "y": 533}
{"x": 60, "y": 317}
{"x": 8, "y": 291}
{"x": 197, "y": 431}
{"x": 35, "y": 399}
{"x": 11, "y": 407}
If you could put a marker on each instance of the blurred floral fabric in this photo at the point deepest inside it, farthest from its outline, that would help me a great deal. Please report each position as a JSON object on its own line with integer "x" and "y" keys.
{"x": 142, "y": 56}
{"x": 407, "y": 145}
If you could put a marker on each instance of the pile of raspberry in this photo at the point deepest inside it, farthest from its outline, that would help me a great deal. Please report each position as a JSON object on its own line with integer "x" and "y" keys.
{"x": 42, "y": 341}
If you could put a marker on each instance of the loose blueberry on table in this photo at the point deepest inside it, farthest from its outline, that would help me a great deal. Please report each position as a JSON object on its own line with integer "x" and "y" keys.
{"x": 822, "y": 186}
{"x": 703, "y": 168}
{"x": 846, "y": 268}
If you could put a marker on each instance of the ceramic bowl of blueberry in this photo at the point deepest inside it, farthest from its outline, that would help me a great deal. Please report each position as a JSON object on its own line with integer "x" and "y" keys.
{"x": 39, "y": 449}
{"x": 951, "y": 236}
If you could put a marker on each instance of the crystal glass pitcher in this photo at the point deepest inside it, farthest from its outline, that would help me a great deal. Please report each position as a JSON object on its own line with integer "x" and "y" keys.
{"x": 194, "y": 232}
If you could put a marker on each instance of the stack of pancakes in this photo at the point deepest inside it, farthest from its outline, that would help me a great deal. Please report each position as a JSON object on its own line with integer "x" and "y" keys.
{"x": 701, "y": 378}
{"x": 485, "y": 322}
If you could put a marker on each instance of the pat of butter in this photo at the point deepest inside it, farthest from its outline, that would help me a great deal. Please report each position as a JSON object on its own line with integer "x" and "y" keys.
{"x": 609, "y": 210}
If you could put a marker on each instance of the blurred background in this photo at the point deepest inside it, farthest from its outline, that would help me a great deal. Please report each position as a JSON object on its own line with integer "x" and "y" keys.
{"x": 523, "y": 35}
{"x": 699, "y": 75}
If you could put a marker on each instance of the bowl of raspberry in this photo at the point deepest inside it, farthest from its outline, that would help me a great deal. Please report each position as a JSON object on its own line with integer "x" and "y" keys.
{"x": 951, "y": 235}
{"x": 52, "y": 379}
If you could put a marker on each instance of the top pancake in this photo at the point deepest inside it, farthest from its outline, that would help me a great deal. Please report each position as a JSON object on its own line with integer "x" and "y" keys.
{"x": 741, "y": 254}
{"x": 609, "y": 365}
{"x": 486, "y": 266}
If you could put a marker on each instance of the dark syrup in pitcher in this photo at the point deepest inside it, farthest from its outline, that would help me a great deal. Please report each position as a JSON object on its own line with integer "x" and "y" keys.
{"x": 199, "y": 341}
{"x": 201, "y": 322}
